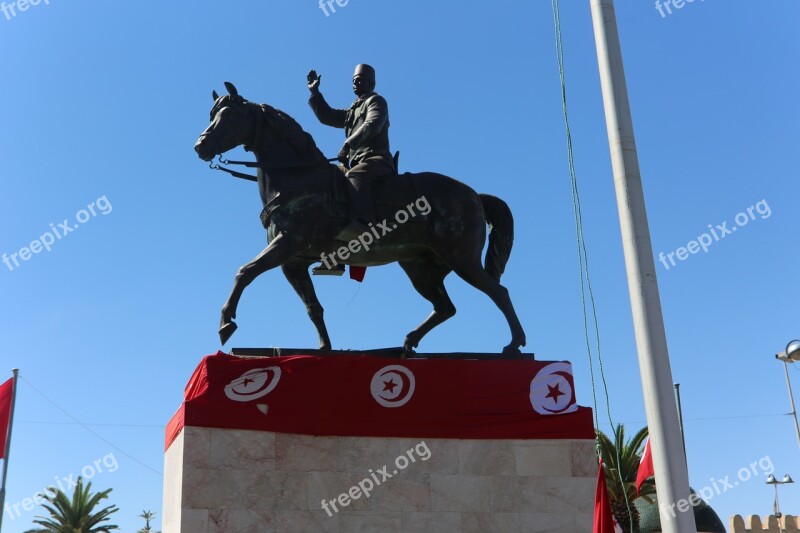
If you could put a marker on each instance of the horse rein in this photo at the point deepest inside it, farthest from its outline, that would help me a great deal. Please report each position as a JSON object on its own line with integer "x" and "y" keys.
{"x": 254, "y": 164}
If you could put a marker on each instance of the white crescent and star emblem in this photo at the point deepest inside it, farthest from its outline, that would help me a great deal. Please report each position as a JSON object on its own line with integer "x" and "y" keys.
{"x": 392, "y": 386}
{"x": 253, "y": 384}
{"x": 552, "y": 391}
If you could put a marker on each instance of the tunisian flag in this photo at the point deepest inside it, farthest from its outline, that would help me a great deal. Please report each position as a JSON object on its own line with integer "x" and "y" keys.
{"x": 6, "y": 393}
{"x": 646, "y": 469}
{"x": 365, "y": 395}
{"x": 604, "y": 521}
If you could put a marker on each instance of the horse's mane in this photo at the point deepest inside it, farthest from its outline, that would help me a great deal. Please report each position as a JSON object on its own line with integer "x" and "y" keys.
{"x": 290, "y": 131}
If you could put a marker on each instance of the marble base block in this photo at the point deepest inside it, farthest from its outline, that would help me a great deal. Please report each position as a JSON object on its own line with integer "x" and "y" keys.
{"x": 232, "y": 481}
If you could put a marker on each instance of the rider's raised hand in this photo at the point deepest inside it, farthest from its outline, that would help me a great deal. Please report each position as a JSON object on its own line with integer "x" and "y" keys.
{"x": 313, "y": 81}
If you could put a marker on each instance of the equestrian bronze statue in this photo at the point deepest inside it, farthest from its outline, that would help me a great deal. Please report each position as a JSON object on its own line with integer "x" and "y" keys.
{"x": 305, "y": 211}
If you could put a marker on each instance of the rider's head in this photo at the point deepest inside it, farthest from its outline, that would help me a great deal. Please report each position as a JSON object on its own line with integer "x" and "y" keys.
{"x": 363, "y": 80}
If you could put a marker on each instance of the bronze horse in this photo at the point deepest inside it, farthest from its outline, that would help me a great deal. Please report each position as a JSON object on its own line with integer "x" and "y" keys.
{"x": 304, "y": 211}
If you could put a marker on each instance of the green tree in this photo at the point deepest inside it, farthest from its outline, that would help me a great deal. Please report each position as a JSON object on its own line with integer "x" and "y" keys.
{"x": 147, "y": 515}
{"x": 77, "y": 515}
{"x": 621, "y": 460}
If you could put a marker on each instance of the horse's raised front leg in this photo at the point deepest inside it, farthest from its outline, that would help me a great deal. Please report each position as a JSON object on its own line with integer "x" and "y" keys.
{"x": 297, "y": 274}
{"x": 278, "y": 252}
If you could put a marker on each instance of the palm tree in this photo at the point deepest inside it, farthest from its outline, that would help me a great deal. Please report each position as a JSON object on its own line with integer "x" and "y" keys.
{"x": 77, "y": 515}
{"x": 621, "y": 460}
{"x": 147, "y": 515}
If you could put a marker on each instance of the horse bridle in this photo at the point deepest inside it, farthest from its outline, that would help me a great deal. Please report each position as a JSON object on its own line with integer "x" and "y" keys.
{"x": 214, "y": 165}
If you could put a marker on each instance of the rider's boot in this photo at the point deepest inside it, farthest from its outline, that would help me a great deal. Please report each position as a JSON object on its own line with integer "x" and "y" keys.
{"x": 322, "y": 270}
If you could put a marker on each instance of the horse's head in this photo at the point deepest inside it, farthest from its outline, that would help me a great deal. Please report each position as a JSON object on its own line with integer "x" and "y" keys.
{"x": 233, "y": 123}
{"x": 268, "y": 132}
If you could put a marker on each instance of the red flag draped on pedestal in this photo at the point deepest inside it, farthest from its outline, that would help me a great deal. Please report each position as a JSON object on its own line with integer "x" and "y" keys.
{"x": 366, "y": 395}
{"x": 6, "y": 394}
{"x": 646, "y": 469}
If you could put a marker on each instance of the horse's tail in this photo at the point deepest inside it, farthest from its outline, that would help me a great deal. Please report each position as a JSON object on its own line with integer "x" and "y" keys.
{"x": 501, "y": 234}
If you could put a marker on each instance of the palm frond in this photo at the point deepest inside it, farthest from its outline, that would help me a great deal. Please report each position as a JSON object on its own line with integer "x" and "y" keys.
{"x": 621, "y": 458}
{"x": 76, "y": 514}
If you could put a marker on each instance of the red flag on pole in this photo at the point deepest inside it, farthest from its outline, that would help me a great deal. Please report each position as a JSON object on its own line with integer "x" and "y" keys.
{"x": 646, "y": 469}
{"x": 6, "y": 395}
{"x": 603, "y": 519}
{"x": 7, "y": 392}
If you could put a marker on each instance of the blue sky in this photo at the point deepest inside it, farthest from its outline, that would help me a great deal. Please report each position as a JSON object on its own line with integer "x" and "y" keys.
{"x": 105, "y": 100}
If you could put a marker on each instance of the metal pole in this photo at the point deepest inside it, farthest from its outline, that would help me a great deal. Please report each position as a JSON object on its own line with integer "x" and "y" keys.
{"x": 791, "y": 400}
{"x": 15, "y": 371}
{"x": 680, "y": 418}
{"x": 672, "y": 478}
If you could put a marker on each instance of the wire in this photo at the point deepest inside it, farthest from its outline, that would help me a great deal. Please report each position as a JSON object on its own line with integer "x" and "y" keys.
{"x": 583, "y": 258}
{"x": 46, "y": 422}
{"x": 358, "y": 289}
{"x": 705, "y": 419}
{"x": 87, "y": 428}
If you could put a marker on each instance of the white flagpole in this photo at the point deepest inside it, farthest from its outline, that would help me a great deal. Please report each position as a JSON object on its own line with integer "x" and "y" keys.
{"x": 669, "y": 462}
{"x": 8, "y": 445}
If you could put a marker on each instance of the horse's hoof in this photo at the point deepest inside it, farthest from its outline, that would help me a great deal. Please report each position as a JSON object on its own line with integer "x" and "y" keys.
{"x": 226, "y": 331}
{"x": 409, "y": 344}
{"x": 408, "y": 349}
{"x": 512, "y": 350}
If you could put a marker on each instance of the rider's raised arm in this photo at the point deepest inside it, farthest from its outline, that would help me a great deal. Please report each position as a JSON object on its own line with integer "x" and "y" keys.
{"x": 325, "y": 113}
{"x": 376, "y": 120}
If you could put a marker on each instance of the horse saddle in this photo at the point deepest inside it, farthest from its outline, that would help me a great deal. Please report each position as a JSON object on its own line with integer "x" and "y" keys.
{"x": 389, "y": 194}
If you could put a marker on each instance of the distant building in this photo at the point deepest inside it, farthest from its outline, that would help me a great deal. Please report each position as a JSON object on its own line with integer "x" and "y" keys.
{"x": 771, "y": 524}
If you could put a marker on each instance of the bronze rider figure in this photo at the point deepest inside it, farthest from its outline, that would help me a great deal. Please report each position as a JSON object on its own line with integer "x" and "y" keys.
{"x": 365, "y": 154}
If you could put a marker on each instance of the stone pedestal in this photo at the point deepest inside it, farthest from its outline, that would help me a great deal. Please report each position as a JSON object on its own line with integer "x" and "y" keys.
{"x": 244, "y": 481}
{"x": 361, "y": 443}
